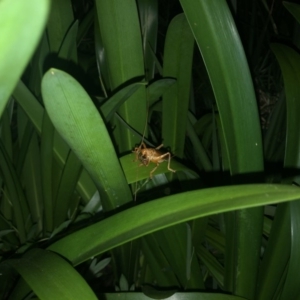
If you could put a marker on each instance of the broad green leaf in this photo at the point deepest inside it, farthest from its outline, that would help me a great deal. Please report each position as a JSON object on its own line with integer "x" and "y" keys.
{"x": 122, "y": 43}
{"x": 178, "y": 58}
{"x": 51, "y": 277}
{"x": 217, "y": 38}
{"x": 77, "y": 120}
{"x": 164, "y": 212}
{"x": 35, "y": 112}
{"x": 14, "y": 15}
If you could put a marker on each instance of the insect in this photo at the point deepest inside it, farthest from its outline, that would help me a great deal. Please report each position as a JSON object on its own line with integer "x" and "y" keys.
{"x": 146, "y": 155}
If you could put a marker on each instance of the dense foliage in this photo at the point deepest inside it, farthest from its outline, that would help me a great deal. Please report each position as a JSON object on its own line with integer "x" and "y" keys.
{"x": 84, "y": 84}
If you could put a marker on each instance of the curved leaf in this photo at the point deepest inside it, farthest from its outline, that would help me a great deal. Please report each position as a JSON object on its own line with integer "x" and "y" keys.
{"x": 218, "y": 41}
{"x": 114, "y": 102}
{"x": 14, "y": 35}
{"x": 157, "y": 88}
{"x": 164, "y": 212}
{"x": 217, "y": 37}
{"x": 121, "y": 37}
{"x": 51, "y": 277}
{"x": 68, "y": 48}
{"x": 77, "y": 120}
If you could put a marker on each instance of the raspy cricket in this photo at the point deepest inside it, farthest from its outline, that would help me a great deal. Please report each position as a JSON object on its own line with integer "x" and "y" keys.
{"x": 146, "y": 155}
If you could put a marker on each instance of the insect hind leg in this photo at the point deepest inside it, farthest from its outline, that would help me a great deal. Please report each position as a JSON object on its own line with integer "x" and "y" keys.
{"x": 169, "y": 161}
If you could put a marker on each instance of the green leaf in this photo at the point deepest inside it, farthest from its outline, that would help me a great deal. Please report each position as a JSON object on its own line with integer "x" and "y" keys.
{"x": 51, "y": 277}
{"x": 114, "y": 102}
{"x": 157, "y": 263}
{"x": 33, "y": 183}
{"x": 289, "y": 61}
{"x": 14, "y": 15}
{"x": 77, "y": 120}
{"x": 212, "y": 265}
{"x": 60, "y": 20}
{"x": 217, "y": 37}
{"x": 201, "y": 154}
{"x": 148, "y": 15}
{"x": 161, "y": 213}
{"x": 187, "y": 270}
{"x": 121, "y": 37}
{"x": 6, "y": 134}
{"x": 35, "y": 111}
{"x": 276, "y": 255}
{"x": 218, "y": 41}
{"x": 85, "y": 25}
{"x": 68, "y": 49}
{"x": 291, "y": 286}
{"x": 30, "y": 105}
{"x": 46, "y": 171}
{"x": 15, "y": 193}
{"x": 178, "y": 58}
{"x": 134, "y": 172}
{"x": 36, "y": 68}
{"x": 67, "y": 185}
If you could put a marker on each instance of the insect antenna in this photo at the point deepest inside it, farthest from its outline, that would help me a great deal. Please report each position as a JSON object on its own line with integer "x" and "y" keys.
{"x": 136, "y": 189}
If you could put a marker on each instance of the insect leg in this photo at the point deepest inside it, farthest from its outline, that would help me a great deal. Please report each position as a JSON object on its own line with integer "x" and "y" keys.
{"x": 151, "y": 173}
{"x": 169, "y": 161}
